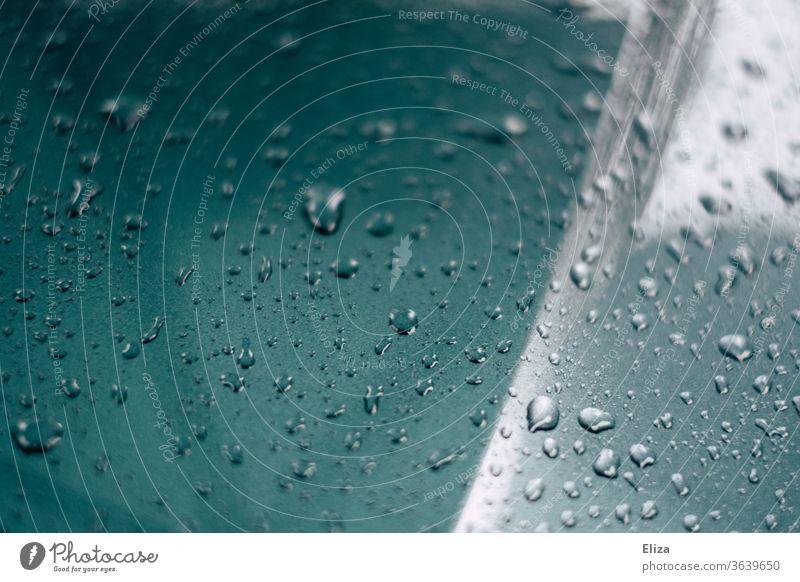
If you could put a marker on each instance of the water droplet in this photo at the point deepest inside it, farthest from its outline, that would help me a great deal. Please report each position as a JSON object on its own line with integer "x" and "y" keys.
{"x": 324, "y": 208}
{"x": 649, "y": 509}
{"x": 35, "y": 435}
{"x": 430, "y": 360}
{"x": 233, "y": 453}
{"x": 581, "y": 275}
{"x": 534, "y": 489}
{"x": 345, "y": 268}
{"x": 607, "y": 463}
{"x": 595, "y": 420}
{"x": 246, "y": 358}
{"x": 647, "y": 287}
{"x": 735, "y": 346}
{"x": 130, "y": 351}
{"x": 284, "y": 383}
{"x": 119, "y": 393}
{"x": 384, "y": 344}
{"x": 550, "y": 447}
{"x": 623, "y": 513}
{"x": 265, "y": 270}
{"x": 761, "y": 384}
{"x": 71, "y": 388}
{"x": 642, "y": 455}
{"x": 381, "y": 224}
{"x": 787, "y": 187}
{"x": 691, "y": 522}
{"x": 475, "y": 354}
{"x": 568, "y": 518}
{"x": 679, "y": 483}
{"x": 152, "y": 334}
{"x": 403, "y": 321}
{"x": 503, "y": 346}
{"x": 372, "y": 399}
{"x": 543, "y": 414}
{"x": 424, "y": 387}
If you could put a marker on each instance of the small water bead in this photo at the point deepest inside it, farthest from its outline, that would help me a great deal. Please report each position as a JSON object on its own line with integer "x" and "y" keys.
{"x": 606, "y": 464}
{"x": 554, "y": 358}
{"x": 381, "y": 224}
{"x": 568, "y": 518}
{"x": 679, "y": 483}
{"x": 639, "y": 321}
{"x": 665, "y": 420}
{"x": 543, "y": 414}
{"x": 383, "y": 344}
{"x": 648, "y": 287}
{"x": 246, "y": 357}
{"x": 235, "y": 383}
{"x": 550, "y": 447}
{"x": 494, "y": 313}
{"x": 345, "y": 268}
{"x": 70, "y": 388}
{"x": 475, "y": 354}
{"x": 771, "y": 521}
{"x": 503, "y": 346}
{"x": 37, "y": 435}
{"x": 403, "y": 321}
{"x": 152, "y": 333}
{"x": 424, "y": 387}
{"x": 119, "y": 393}
{"x": 324, "y": 208}
{"x": 23, "y": 295}
{"x": 27, "y": 400}
{"x": 430, "y": 360}
{"x": 571, "y": 489}
{"x": 595, "y": 420}
{"x": 761, "y": 384}
{"x": 233, "y": 453}
{"x": 579, "y": 447}
{"x": 534, "y": 489}
{"x": 623, "y": 513}
{"x": 372, "y": 399}
{"x": 642, "y": 455}
{"x": 721, "y": 384}
{"x": 787, "y": 187}
{"x": 735, "y": 346}
{"x": 450, "y": 268}
{"x": 524, "y": 302}
{"x": 478, "y": 418}
{"x": 581, "y": 275}
{"x": 130, "y": 351}
{"x": 649, "y": 509}
{"x": 283, "y": 383}
{"x": 265, "y": 269}
{"x": 691, "y": 523}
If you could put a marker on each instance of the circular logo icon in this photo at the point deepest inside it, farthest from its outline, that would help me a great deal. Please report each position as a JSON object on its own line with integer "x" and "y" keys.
{"x": 31, "y": 555}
